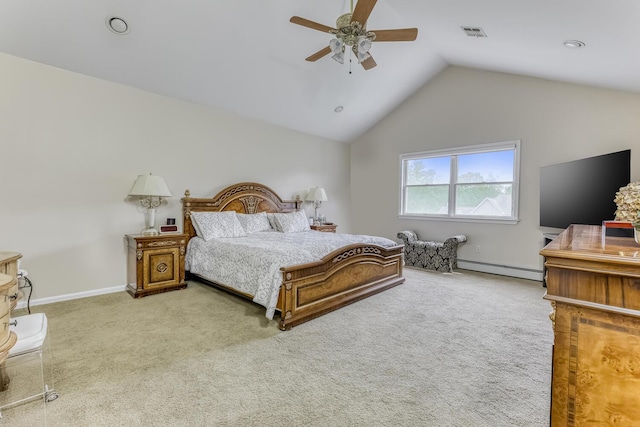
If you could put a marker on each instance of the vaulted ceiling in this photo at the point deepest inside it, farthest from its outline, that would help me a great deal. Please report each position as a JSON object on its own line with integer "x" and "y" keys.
{"x": 246, "y": 57}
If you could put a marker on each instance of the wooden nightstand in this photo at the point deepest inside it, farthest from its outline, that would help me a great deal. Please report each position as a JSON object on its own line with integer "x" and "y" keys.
{"x": 155, "y": 263}
{"x": 327, "y": 228}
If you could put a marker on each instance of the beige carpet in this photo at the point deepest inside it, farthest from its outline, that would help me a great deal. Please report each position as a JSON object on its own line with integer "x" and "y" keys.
{"x": 461, "y": 349}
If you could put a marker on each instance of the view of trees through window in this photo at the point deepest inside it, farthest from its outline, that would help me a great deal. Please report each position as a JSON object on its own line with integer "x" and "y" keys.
{"x": 476, "y": 184}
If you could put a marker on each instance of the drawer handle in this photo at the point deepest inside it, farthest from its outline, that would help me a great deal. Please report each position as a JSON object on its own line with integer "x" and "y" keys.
{"x": 11, "y": 297}
{"x": 14, "y": 323}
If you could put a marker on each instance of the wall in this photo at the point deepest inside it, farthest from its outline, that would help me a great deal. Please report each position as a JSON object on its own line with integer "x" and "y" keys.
{"x": 73, "y": 145}
{"x": 556, "y": 122}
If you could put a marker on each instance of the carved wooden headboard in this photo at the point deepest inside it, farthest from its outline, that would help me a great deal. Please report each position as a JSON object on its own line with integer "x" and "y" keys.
{"x": 245, "y": 197}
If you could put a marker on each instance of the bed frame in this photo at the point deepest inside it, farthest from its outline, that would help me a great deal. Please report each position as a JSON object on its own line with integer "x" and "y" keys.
{"x": 308, "y": 290}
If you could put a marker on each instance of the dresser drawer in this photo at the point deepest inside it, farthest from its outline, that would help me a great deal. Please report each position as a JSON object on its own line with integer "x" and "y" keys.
{"x": 7, "y": 284}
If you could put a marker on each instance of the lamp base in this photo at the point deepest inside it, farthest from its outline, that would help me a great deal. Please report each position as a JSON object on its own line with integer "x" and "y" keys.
{"x": 149, "y": 232}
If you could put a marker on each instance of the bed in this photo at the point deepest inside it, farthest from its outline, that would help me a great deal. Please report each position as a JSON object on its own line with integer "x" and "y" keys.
{"x": 306, "y": 288}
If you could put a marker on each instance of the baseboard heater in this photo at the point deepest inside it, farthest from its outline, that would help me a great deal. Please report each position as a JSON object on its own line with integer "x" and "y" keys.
{"x": 502, "y": 270}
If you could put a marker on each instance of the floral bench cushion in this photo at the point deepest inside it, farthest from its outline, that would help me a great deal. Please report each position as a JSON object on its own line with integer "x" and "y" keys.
{"x": 438, "y": 256}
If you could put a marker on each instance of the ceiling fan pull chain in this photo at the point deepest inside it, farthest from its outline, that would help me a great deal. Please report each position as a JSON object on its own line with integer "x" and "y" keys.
{"x": 350, "y": 56}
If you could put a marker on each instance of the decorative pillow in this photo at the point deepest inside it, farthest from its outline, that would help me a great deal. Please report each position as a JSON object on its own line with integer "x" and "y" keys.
{"x": 292, "y": 222}
{"x": 212, "y": 225}
{"x": 253, "y": 223}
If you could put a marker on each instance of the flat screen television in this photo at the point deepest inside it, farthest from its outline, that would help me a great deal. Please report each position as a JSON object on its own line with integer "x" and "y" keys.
{"x": 582, "y": 191}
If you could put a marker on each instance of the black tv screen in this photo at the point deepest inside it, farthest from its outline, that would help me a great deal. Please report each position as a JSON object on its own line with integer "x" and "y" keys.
{"x": 582, "y": 191}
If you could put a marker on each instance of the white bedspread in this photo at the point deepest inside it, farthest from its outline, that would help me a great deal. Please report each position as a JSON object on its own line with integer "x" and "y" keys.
{"x": 252, "y": 264}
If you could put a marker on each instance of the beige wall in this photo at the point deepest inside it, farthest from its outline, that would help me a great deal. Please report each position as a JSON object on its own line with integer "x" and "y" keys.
{"x": 72, "y": 146}
{"x": 556, "y": 122}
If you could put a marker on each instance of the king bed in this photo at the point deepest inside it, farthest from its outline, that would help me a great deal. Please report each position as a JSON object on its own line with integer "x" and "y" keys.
{"x": 248, "y": 241}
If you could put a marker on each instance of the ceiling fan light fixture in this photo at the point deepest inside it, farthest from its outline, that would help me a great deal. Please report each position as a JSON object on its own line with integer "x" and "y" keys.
{"x": 361, "y": 48}
{"x": 338, "y": 57}
{"x": 351, "y": 30}
{"x": 363, "y": 57}
{"x": 336, "y": 45}
{"x": 363, "y": 43}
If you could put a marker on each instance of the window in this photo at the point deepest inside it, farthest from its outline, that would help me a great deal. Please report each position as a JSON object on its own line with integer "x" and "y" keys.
{"x": 469, "y": 183}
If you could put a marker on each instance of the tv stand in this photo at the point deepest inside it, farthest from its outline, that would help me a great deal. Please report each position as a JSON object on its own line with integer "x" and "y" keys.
{"x": 594, "y": 293}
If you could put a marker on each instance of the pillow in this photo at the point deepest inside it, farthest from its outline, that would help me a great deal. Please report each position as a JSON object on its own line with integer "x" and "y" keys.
{"x": 212, "y": 225}
{"x": 253, "y": 223}
{"x": 292, "y": 222}
{"x": 273, "y": 222}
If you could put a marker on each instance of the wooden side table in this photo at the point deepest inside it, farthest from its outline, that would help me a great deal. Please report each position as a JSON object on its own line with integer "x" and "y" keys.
{"x": 155, "y": 263}
{"x": 327, "y": 228}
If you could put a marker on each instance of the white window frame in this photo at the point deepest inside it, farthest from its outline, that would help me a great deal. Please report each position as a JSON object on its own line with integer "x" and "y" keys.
{"x": 454, "y": 152}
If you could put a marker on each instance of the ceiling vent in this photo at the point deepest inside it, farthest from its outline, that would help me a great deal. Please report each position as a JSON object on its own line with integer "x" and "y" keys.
{"x": 474, "y": 31}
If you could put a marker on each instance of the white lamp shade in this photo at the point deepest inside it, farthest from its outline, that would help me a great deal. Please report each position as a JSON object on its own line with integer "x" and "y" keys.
{"x": 338, "y": 57}
{"x": 317, "y": 194}
{"x": 150, "y": 185}
{"x": 363, "y": 44}
{"x": 336, "y": 45}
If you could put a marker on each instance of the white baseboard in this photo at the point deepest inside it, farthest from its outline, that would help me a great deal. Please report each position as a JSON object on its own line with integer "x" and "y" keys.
{"x": 40, "y": 301}
{"x": 502, "y": 270}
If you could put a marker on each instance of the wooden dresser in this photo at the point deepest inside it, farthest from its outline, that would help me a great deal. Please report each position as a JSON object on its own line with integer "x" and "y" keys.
{"x": 593, "y": 285}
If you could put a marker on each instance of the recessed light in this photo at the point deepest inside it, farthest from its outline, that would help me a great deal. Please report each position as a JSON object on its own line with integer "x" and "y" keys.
{"x": 574, "y": 44}
{"x": 117, "y": 25}
{"x": 339, "y": 109}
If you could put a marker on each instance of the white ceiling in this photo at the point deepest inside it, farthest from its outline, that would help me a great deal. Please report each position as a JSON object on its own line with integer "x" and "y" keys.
{"x": 246, "y": 57}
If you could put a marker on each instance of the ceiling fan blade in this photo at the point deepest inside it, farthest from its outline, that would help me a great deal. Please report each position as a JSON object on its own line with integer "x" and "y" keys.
{"x": 319, "y": 54}
{"x": 362, "y": 11}
{"x": 310, "y": 24}
{"x": 368, "y": 63}
{"x": 399, "y": 35}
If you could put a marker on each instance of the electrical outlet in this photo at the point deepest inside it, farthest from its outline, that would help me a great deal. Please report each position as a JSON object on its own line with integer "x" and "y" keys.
{"x": 477, "y": 249}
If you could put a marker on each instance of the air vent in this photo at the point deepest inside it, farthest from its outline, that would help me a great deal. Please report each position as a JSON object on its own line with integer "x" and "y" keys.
{"x": 474, "y": 31}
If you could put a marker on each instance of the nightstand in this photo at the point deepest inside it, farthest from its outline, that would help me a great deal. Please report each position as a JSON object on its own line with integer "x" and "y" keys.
{"x": 155, "y": 263}
{"x": 327, "y": 228}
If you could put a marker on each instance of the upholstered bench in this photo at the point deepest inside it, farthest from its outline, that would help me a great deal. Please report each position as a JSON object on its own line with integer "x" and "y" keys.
{"x": 438, "y": 256}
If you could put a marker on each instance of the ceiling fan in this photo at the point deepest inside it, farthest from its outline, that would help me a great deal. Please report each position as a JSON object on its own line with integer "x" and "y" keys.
{"x": 351, "y": 31}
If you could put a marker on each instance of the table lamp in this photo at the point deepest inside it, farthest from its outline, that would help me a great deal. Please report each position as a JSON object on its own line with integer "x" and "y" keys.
{"x": 316, "y": 195}
{"x": 151, "y": 189}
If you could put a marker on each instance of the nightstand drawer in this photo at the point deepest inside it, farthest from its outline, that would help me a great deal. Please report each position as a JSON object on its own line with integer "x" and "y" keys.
{"x": 160, "y": 242}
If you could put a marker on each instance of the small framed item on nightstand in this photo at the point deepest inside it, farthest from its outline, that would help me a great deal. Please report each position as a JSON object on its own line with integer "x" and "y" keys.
{"x": 171, "y": 226}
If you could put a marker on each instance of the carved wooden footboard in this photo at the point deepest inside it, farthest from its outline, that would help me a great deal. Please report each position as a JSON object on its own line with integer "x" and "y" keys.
{"x": 342, "y": 277}
{"x": 308, "y": 290}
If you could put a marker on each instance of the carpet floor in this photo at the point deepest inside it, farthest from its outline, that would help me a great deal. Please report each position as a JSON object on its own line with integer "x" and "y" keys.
{"x": 459, "y": 349}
